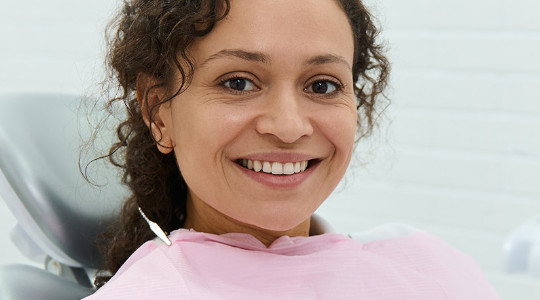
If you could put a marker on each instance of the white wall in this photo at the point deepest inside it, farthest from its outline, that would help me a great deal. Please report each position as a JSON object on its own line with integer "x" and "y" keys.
{"x": 461, "y": 157}
{"x": 51, "y": 45}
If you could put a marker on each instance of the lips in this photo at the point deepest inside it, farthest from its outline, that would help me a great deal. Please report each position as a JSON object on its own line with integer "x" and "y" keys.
{"x": 278, "y": 169}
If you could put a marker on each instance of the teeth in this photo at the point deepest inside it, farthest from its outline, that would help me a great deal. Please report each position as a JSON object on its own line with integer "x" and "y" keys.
{"x": 275, "y": 168}
{"x": 267, "y": 168}
{"x": 257, "y": 166}
{"x": 288, "y": 168}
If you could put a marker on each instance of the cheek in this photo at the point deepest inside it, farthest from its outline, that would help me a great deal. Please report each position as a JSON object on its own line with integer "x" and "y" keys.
{"x": 200, "y": 125}
{"x": 202, "y": 137}
{"x": 340, "y": 128}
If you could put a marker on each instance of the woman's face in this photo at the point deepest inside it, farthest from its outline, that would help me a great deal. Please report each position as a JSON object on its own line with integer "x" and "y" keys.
{"x": 272, "y": 92}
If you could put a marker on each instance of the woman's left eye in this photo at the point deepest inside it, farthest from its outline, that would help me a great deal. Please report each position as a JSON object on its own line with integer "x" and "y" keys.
{"x": 322, "y": 87}
{"x": 239, "y": 84}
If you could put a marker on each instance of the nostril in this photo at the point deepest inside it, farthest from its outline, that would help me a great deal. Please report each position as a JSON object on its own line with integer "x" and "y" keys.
{"x": 287, "y": 127}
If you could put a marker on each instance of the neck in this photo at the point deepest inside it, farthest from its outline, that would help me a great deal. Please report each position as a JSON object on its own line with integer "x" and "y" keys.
{"x": 203, "y": 218}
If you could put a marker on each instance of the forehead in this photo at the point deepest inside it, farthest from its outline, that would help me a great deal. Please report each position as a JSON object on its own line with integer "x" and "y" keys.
{"x": 291, "y": 29}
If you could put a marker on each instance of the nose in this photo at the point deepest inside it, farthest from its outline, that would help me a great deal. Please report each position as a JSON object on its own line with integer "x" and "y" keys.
{"x": 283, "y": 118}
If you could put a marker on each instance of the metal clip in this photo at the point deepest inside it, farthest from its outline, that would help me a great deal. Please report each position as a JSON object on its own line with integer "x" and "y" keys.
{"x": 156, "y": 229}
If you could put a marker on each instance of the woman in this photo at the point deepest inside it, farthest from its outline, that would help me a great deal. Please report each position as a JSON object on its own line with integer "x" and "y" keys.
{"x": 242, "y": 119}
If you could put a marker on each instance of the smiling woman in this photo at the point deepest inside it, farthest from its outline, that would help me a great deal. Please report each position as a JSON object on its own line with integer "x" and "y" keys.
{"x": 242, "y": 118}
{"x": 259, "y": 94}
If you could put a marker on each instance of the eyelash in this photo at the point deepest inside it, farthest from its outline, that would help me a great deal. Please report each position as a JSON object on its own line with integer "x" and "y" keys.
{"x": 338, "y": 85}
{"x": 222, "y": 84}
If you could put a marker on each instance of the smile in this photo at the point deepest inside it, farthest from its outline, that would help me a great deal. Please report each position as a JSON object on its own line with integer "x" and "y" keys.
{"x": 275, "y": 168}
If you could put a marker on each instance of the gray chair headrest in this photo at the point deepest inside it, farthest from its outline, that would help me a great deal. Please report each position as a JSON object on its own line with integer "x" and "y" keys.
{"x": 40, "y": 138}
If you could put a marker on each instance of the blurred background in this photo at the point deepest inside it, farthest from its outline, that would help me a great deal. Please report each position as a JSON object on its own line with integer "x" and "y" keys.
{"x": 457, "y": 153}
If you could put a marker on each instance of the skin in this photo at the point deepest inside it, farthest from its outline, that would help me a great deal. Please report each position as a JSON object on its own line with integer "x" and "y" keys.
{"x": 278, "y": 50}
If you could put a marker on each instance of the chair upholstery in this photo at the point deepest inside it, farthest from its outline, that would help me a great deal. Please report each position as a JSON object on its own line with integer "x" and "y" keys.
{"x": 19, "y": 282}
{"x": 40, "y": 138}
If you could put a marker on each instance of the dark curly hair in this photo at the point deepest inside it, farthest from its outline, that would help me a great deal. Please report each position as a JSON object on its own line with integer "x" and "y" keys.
{"x": 152, "y": 37}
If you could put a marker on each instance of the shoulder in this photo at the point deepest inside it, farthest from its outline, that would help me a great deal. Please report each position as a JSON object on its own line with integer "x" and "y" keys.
{"x": 407, "y": 247}
{"x": 398, "y": 241}
{"x": 147, "y": 274}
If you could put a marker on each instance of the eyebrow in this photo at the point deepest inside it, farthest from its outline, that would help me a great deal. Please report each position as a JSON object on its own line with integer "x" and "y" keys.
{"x": 263, "y": 58}
{"x": 238, "y": 53}
{"x": 327, "y": 59}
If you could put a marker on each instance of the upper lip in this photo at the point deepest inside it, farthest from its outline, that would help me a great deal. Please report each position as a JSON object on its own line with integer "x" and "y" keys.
{"x": 282, "y": 157}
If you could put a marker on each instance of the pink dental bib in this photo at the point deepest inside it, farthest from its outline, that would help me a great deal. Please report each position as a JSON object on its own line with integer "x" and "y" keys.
{"x": 329, "y": 266}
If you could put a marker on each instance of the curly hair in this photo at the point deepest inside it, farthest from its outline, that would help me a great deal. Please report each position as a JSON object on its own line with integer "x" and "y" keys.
{"x": 152, "y": 37}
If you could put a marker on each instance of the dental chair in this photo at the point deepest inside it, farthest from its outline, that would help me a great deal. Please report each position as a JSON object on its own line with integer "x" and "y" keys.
{"x": 521, "y": 250}
{"x": 59, "y": 214}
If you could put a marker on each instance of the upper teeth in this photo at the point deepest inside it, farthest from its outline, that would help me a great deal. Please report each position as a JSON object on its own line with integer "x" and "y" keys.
{"x": 275, "y": 168}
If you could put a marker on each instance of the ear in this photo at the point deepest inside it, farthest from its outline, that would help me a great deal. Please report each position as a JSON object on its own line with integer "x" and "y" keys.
{"x": 150, "y": 94}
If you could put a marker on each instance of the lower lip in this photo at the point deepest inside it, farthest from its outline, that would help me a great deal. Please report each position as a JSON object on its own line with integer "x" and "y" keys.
{"x": 279, "y": 181}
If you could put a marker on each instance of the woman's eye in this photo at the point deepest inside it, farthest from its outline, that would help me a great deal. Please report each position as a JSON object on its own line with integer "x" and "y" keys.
{"x": 322, "y": 87}
{"x": 239, "y": 84}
